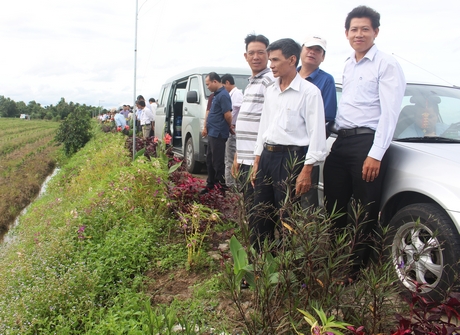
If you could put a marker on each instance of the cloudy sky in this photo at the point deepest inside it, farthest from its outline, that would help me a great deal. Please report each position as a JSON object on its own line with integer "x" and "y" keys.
{"x": 83, "y": 50}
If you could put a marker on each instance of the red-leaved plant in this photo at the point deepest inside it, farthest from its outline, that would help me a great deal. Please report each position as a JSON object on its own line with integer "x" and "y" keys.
{"x": 429, "y": 316}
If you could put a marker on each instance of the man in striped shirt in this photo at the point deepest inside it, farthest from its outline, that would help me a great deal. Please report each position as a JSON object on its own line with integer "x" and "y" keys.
{"x": 247, "y": 124}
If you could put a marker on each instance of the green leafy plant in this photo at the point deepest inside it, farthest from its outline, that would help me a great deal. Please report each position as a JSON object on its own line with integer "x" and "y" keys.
{"x": 195, "y": 225}
{"x": 241, "y": 267}
{"x": 326, "y": 326}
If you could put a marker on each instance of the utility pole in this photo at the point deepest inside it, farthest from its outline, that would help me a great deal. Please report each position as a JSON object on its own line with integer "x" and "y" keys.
{"x": 135, "y": 71}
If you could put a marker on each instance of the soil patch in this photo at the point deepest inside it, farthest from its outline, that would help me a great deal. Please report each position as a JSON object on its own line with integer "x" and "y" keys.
{"x": 165, "y": 287}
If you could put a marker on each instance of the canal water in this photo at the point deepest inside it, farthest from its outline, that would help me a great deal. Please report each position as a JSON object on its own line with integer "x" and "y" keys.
{"x": 9, "y": 237}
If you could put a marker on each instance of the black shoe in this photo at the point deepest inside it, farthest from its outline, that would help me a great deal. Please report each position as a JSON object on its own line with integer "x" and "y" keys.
{"x": 205, "y": 190}
{"x": 223, "y": 189}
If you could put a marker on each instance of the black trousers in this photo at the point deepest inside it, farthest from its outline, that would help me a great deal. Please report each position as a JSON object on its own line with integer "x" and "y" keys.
{"x": 343, "y": 179}
{"x": 275, "y": 181}
{"x": 215, "y": 161}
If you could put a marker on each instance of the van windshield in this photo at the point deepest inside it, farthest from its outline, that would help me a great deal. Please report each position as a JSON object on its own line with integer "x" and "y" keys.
{"x": 241, "y": 81}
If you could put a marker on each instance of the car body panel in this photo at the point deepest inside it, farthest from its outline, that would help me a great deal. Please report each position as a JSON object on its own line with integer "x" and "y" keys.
{"x": 427, "y": 169}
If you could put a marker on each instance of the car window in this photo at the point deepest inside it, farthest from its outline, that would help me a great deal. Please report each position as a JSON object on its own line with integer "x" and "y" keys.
{"x": 429, "y": 111}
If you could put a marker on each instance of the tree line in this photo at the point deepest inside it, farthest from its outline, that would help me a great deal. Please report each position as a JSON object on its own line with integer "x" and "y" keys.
{"x": 11, "y": 108}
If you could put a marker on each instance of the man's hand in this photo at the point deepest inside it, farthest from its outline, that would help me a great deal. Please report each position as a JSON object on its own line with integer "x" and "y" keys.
{"x": 232, "y": 129}
{"x": 371, "y": 169}
{"x": 303, "y": 181}
{"x": 204, "y": 133}
{"x": 255, "y": 167}
{"x": 235, "y": 167}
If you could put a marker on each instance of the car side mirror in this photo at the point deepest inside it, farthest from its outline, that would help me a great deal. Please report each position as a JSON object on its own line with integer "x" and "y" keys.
{"x": 192, "y": 97}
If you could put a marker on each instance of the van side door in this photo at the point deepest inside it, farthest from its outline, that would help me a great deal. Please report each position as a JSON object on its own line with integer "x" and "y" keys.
{"x": 162, "y": 116}
{"x": 194, "y": 112}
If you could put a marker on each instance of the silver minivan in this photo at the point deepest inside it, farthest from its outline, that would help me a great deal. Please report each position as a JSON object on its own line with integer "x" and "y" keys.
{"x": 182, "y": 108}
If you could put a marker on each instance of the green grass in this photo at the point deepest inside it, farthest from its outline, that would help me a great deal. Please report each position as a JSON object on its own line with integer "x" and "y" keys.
{"x": 78, "y": 262}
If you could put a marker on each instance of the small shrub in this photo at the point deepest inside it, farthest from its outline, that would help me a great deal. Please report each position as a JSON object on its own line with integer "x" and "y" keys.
{"x": 196, "y": 224}
{"x": 75, "y": 131}
{"x": 307, "y": 267}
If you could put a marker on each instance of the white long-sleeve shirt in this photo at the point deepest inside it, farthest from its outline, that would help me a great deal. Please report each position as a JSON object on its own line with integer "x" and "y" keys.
{"x": 146, "y": 116}
{"x": 294, "y": 116}
{"x": 372, "y": 93}
{"x": 237, "y": 99}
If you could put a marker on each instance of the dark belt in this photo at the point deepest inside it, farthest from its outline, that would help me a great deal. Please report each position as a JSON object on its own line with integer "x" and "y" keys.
{"x": 355, "y": 131}
{"x": 281, "y": 148}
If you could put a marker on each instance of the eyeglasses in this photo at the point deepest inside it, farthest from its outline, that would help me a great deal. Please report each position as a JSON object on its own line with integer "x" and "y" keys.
{"x": 259, "y": 53}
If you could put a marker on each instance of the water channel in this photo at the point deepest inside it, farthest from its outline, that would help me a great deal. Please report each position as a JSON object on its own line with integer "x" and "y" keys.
{"x": 7, "y": 238}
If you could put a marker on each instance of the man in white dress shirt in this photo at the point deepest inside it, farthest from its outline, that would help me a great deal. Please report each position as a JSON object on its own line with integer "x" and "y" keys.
{"x": 372, "y": 92}
{"x": 291, "y": 139}
{"x": 146, "y": 118}
{"x": 230, "y": 147}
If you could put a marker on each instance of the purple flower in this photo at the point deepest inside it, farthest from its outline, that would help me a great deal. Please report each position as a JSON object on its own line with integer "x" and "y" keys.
{"x": 81, "y": 229}
{"x": 316, "y": 330}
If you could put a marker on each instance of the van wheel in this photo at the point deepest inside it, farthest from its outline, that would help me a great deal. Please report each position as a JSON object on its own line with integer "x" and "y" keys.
{"x": 191, "y": 164}
{"x": 424, "y": 246}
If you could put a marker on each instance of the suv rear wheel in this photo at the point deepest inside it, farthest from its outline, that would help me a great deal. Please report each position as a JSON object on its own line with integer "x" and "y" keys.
{"x": 424, "y": 248}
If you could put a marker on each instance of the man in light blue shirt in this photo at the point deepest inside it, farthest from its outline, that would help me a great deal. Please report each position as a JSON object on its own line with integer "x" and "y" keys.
{"x": 120, "y": 120}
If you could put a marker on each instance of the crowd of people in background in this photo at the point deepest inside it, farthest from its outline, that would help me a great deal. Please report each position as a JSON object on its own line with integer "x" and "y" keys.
{"x": 123, "y": 118}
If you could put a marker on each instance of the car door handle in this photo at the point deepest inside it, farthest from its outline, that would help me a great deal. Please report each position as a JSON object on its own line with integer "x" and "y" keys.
{"x": 185, "y": 109}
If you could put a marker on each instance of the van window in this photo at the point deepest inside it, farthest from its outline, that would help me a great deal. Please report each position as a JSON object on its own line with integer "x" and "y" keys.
{"x": 163, "y": 95}
{"x": 194, "y": 84}
{"x": 180, "y": 92}
{"x": 180, "y": 95}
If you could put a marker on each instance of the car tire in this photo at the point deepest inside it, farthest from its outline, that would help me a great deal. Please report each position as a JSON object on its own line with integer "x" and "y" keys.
{"x": 191, "y": 164}
{"x": 424, "y": 247}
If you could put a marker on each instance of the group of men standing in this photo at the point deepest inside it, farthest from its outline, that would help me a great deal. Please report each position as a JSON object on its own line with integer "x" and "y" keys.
{"x": 145, "y": 116}
{"x": 288, "y": 111}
